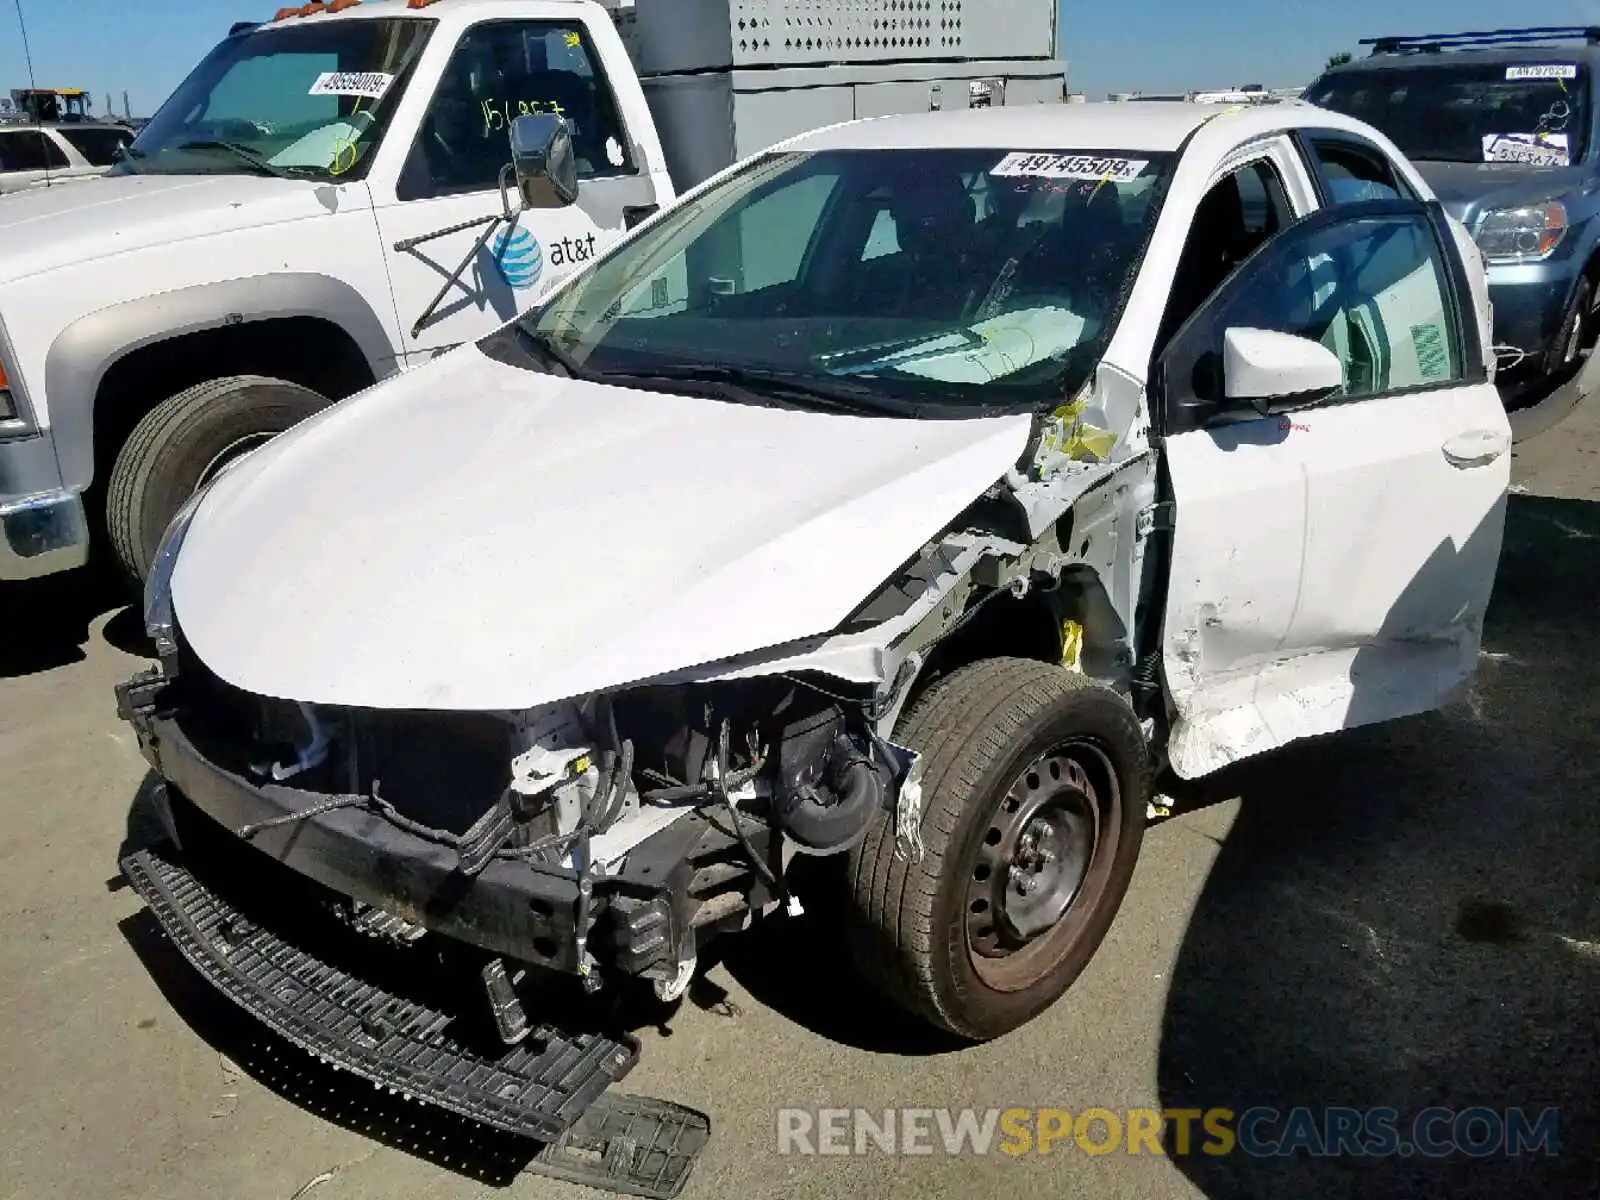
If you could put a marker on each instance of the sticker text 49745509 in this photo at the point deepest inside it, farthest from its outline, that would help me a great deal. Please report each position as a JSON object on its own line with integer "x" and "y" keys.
{"x": 1069, "y": 166}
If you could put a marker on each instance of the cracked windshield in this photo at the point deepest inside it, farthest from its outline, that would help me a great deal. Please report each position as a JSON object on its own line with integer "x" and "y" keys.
{"x": 311, "y": 101}
{"x": 902, "y": 282}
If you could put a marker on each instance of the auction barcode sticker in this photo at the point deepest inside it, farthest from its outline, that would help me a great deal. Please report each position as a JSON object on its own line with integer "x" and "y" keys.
{"x": 1543, "y": 71}
{"x": 371, "y": 84}
{"x": 1069, "y": 166}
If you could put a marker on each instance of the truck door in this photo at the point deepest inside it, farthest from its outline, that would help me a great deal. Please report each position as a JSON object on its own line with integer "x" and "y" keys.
{"x": 451, "y": 174}
{"x": 1332, "y": 560}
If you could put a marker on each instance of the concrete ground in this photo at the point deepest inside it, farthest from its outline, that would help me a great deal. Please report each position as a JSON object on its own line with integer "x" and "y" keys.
{"x": 1404, "y": 916}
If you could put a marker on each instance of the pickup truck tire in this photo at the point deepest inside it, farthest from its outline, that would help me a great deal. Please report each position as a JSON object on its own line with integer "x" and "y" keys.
{"x": 183, "y": 442}
{"x": 1023, "y": 760}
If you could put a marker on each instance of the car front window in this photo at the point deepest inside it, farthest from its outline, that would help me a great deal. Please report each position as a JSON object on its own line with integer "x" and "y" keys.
{"x": 303, "y": 99}
{"x": 1535, "y": 113}
{"x": 919, "y": 281}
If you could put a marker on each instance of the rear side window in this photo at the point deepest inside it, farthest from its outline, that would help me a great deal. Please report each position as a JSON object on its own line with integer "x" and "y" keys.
{"x": 99, "y": 146}
{"x": 1353, "y": 171}
{"x": 29, "y": 150}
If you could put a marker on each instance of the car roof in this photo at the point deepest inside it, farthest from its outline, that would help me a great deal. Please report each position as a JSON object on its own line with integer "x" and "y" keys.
{"x": 1155, "y": 127}
{"x": 1493, "y": 56}
{"x": 456, "y": 11}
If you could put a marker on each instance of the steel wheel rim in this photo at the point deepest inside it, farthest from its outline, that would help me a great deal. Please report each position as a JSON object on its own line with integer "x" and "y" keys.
{"x": 1041, "y": 862}
{"x": 234, "y": 449}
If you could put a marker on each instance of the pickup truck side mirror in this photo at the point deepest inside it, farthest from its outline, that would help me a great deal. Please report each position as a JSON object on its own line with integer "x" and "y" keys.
{"x": 542, "y": 157}
{"x": 1276, "y": 372}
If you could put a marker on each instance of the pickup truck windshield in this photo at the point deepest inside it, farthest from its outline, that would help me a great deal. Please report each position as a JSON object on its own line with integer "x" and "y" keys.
{"x": 307, "y": 100}
{"x": 946, "y": 282}
{"x": 1535, "y": 112}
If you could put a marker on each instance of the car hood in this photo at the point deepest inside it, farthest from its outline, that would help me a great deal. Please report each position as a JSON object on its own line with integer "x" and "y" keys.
{"x": 1469, "y": 189}
{"x": 472, "y": 535}
{"x": 45, "y": 228}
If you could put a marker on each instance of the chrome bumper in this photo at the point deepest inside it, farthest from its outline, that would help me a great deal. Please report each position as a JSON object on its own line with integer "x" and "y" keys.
{"x": 43, "y": 528}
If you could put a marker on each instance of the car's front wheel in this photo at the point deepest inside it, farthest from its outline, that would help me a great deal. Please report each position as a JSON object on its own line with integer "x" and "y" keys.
{"x": 1033, "y": 811}
{"x": 1574, "y": 334}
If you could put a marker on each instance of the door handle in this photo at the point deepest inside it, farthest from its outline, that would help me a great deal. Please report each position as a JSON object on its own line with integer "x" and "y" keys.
{"x": 1475, "y": 448}
{"x": 632, "y": 214}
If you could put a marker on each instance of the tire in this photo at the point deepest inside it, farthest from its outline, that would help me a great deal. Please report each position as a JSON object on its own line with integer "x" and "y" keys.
{"x": 181, "y": 443}
{"x": 990, "y": 734}
{"x": 1573, "y": 333}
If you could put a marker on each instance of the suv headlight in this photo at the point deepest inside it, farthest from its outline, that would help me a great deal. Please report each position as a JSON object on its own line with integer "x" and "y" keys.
{"x": 1525, "y": 233}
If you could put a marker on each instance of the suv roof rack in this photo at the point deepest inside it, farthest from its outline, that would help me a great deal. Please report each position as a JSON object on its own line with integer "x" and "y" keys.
{"x": 1432, "y": 43}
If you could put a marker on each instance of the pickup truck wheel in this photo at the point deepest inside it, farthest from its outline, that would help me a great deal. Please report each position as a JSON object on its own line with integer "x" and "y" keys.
{"x": 1033, "y": 811}
{"x": 183, "y": 442}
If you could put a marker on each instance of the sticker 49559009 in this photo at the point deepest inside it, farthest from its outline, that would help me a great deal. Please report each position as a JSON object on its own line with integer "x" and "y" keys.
{"x": 370, "y": 84}
{"x": 1045, "y": 165}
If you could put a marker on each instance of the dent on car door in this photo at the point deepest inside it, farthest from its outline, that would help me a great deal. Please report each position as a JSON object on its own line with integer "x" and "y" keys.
{"x": 1332, "y": 556}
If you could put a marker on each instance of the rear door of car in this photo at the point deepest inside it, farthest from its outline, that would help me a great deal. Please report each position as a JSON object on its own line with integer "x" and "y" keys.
{"x": 1331, "y": 560}
{"x": 28, "y": 157}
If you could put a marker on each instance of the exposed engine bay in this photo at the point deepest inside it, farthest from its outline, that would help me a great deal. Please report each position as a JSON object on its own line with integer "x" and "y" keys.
{"x": 583, "y": 783}
{"x": 640, "y": 821}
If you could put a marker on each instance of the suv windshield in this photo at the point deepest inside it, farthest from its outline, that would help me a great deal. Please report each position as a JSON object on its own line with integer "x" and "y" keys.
{"x": 1453, "y": 111}
{"x": 904, "y": 282}
{"x": 304, "y": 99}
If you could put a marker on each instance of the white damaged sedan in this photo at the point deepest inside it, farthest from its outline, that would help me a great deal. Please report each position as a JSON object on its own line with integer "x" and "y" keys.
{"x": 908, "y": 493}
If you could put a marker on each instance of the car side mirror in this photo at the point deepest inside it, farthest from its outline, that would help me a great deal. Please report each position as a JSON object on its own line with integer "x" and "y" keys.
{"x": 543, "y": 160}
{"x": 1274, "y": 372}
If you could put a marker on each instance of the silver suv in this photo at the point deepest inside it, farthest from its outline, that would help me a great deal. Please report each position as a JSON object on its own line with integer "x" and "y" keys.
{"x": 39, "y": 155}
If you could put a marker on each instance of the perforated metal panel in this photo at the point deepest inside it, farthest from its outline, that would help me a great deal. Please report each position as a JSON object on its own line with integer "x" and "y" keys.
{"x": 669, "y": 36}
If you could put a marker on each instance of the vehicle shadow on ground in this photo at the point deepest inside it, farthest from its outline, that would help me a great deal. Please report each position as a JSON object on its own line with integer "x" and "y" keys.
{"x": 802, "y": 970}
{"x": 1408, "y": 915}
{"x": 53, "y": 620}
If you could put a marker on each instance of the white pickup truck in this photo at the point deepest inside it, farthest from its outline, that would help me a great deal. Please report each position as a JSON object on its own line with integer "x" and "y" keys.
{"x": 315, "y": 208}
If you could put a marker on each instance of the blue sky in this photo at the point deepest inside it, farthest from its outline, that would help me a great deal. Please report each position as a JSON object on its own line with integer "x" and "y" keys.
{"x": 145, "y": 47}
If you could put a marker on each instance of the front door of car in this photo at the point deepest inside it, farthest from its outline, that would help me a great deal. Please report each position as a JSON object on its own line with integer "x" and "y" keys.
{"x": 1332, "y": 556}
{"x": 452, "y": 178}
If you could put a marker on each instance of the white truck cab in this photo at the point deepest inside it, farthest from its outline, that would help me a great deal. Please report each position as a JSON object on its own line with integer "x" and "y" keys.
{"x": 320, "y": 204}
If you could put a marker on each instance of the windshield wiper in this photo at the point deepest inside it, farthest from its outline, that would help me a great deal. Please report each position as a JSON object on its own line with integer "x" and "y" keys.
{"x": 544, "y": 346}
{"x": 243, "y": 153}
{"x": 761, "y": 385}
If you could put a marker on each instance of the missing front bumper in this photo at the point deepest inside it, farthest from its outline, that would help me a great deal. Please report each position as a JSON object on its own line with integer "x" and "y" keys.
{"x": 550, "y": 1087}
{"x": 533, "y": 915}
